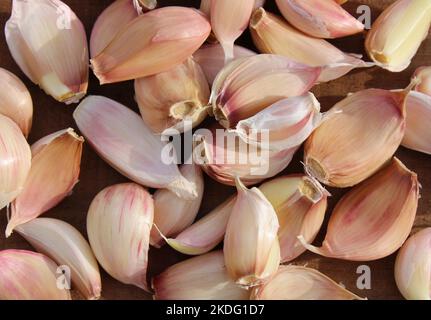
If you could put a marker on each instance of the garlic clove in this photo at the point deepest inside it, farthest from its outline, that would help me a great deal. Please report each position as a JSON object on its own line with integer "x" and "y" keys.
{"x": 119, "y": 222}
{"x": 172, "y": 214}
{"x": 413, "y": 267}
{"x": 15, "y": 101}
{"x": 168, "y": 99}
{"x": 52, "y": 49}
{"x": 54, "y": 172}
{"x": 374, "y": 219}
{"x": 199, "y": 278}
{"x": 422, "y": 78}
{"x": 66, "y": 246}
{"x": 152, "y": 43}
{"x": 397, "y": 34}
{"x": 301, "y": 283}
{"x": 359, "y": 135}
{"x": 28, "y": 275}
{"x": 124, "y": 141}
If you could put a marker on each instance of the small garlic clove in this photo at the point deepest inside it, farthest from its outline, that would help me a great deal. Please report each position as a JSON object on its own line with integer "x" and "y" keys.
{"x": 27, "y": 275}
{"x": 251, "y": 247}
{"x": 172, "y": 214}
{"x": 123, "y": 140}
{"x": 15, "y": 161}
{"x": 66, "y": 246}
{"x": 15, "y": 101}
{"x": 413, "y": 267}
{"x": 52, "y": 49}
{"x": 373, "y": 220}
{"x": 169, "y": 99}
{"x": 397, "y": 34}
{"x": 359, "y": 135}
{"x": 119, "y": 222}
{"x": 301, "y": 283}
{"x": 152, "y": 43}
{"x": 422, "y": 77}
{"x": 199, "y": 278}
{"x": 54, "y": 172}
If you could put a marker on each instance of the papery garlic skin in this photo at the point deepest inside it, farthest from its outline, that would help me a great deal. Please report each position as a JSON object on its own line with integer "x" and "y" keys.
{"x": 413, "y": 267}
{"x": 397, "y": 34}
{"x": 200, "y": 278}
{"x": 54, "y": 172}
{"x": 66, "y": 246}
{"x": 15, "y": 101}
{"x": 27, "y": 275}
{"x": 50, "y": 49}
{"x": 422, "y": 77}
{"x": 119, "y": 222}
{"x": 301, "y": 283}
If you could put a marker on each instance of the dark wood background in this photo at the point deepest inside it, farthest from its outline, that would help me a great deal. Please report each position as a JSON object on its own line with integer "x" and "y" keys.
{"x": 50, "y": 116}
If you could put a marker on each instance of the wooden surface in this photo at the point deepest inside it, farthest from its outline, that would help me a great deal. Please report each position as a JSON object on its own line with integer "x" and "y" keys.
{"x": 51, "y": 116}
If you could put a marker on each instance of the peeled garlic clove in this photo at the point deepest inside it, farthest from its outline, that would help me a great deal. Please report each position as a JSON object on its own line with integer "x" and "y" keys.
{"x": 397, "y": 34}
{"x": 374, "y": 219}
{"x": 27, "y": 275}
{"x": 54, "y": 172}
{"x": 169, "y": 99}
{"x": 15, "y": 161}
{"x": 52, "y": 49}
{"x": 271, "y": 34}
{"x": 413, "y": 267}
{"x": 124, "y": 141}
{"x": 152, "y": 43}
{"x": 15, "y": 101}
{"x": 172, "y": 214}
{"x": 199, "y": 278}
{"x": 300, "y": 203}
{"x": 301, "y": 283}
{"x": 66, "y": 246}
{"x": 119, "y": 222}
{"x": 361, "y": 133}
{"x": 251, "y": 247}
{"x": 422, "y": 77}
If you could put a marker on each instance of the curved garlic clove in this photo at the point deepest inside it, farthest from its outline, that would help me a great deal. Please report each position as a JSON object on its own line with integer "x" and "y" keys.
{"x": 199, "y": 278}
{"x": 361, "y": 133}
{"x": 301, "y": 283}
{"x": 373, "y": 220}
{"x": 422, "y": 78}
{"x": 152, "y": 43}
{"x": 15, "y": 101}
{"x": 119, "y": 222}
{"x": 27, "y": 275}
{"x": 52, "y": 49}
{"x": 168, "y": 99}
{"x": 413, "y": 267}
{"x": 54, "y": 172}
{"x": 397, "y": 34}
{"x": 66, "y": 246}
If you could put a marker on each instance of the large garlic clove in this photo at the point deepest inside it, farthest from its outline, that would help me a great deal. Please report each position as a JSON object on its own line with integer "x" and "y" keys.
{"x": 397, "y": 34}
{"x": 119, "y": 222}
{"x": 50, "y": 49}
{"x": 54, "y": 172}
{"x": 199, "y": 278}
{"x": 152, "y": 43}
{"x": 422, "y": 78}
{"x": 272, "y": 34}
{"x": 374, "y": 219}
{"x": 169, "y": 99}
{"x": 15, "y": 161}
{"x": 27, "y": 275}
{"x": 361, "y": 133}
{"x": 123, "y": 140}
{"x": 15, "y": 101}
{"x": 413, "y": 267}
{"x": 66, "y": 246}
{"x": 301, "y": 283}
{"x": 172, "y": 214}
{"x": 300, "y": 203}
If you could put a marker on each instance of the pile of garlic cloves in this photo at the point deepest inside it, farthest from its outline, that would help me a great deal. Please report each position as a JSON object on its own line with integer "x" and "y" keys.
{"x": 246, "y": 114}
